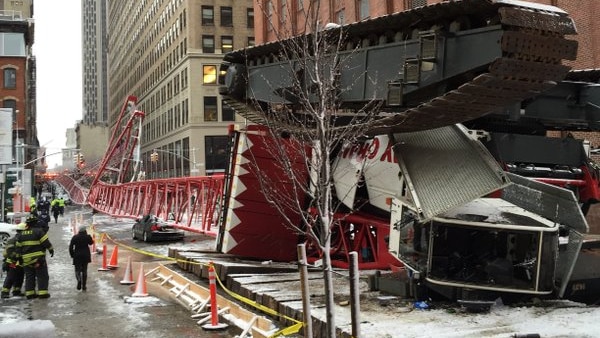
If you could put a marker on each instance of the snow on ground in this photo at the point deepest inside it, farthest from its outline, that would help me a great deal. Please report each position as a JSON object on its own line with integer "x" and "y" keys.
{"x": 562, "y": 319}
{"x": 554, "y": 319}
{"x": 27, "y": 329}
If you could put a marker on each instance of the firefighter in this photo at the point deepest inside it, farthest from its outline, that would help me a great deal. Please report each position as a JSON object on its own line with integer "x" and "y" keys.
{"x": 40, "y": 222}
{"x": 55, "y": 209}
{"x": 32, "y": 205}
{"x": 43, "y": 206}
{"x": 31, "y": 245}
{"x": 61, "y": 205}
{"x": 14, "y": 271}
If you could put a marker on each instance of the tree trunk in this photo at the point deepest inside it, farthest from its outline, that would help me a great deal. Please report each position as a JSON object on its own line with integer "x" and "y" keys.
{"x": 329, "y": 291}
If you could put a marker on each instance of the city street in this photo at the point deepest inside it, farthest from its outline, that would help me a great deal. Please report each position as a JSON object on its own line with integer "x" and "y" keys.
{"x": 106, "y": 309}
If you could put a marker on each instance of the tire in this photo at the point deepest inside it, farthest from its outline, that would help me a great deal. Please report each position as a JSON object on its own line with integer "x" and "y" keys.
{"x": 133, "y": 236}
{"x": 146, "y": 238}
{"x": 4, "y": 237}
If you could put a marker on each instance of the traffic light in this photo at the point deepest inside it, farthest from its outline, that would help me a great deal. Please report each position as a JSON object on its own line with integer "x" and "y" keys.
{"x": 154, "y": 156}
{"x": 78, "y": 160}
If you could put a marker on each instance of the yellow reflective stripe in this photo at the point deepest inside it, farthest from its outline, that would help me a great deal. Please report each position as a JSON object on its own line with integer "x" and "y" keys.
{"x": 30, "y": 256}
{"x": 29, "y": 243}
{"x": 44, "y": 238}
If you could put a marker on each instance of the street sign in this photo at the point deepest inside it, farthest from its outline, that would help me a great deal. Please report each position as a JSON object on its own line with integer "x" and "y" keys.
{"x": 6, "y": 124}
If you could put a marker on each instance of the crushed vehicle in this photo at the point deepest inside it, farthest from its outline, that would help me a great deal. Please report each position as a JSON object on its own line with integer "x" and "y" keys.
{"x": 153, "y": 229}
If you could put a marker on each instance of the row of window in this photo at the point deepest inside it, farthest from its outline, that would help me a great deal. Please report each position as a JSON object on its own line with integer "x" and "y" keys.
{"x": 208, "y": 16}
{"x": 176, "y": 158}
{"x": 178, "y": 116}
{"x": 208, "y": 43}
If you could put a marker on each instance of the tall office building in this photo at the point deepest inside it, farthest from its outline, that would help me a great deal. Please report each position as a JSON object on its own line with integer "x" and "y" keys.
{"x": 167, "y": 53}
{"x": 94, "y": 65}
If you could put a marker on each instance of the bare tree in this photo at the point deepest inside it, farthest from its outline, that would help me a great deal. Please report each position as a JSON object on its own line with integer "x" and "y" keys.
{"x": 307, "y": 126}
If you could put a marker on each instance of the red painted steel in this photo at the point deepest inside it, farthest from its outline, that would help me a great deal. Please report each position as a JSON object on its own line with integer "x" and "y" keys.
{"x": 252, "y": 228}
{"x": 115, "y": 187}
{"x": 365, "y": 234}
{"x": 190, "y": 203}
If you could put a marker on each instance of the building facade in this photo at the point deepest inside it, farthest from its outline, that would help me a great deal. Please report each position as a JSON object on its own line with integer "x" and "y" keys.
{"x": 94, "y": 45}
{"x": 17, "y": 93}
{"x": 94, "y": 40}
{"x": 70, "y": 151}
{"x": 19, "y": 70}
{"x": 167, "y": 54}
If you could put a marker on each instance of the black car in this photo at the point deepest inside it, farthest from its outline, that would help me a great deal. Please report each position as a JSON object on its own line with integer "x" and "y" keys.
{"x": 151, "y": 228}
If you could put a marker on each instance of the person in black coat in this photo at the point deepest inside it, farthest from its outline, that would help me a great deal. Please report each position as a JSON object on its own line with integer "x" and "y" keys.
{"x": 80, "y": 252}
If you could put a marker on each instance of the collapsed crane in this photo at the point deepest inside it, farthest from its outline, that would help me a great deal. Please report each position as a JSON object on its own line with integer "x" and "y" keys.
{"x": 448, "y": 203}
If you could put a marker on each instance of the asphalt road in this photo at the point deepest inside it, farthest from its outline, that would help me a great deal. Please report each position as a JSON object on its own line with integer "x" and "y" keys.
{"x": 106, "y": 309}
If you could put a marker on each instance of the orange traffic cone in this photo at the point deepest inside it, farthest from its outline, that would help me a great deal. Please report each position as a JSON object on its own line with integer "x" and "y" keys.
{"x": 128, "y": 277}
{"x": 114, "y": 258}
{"x": 104, "y": 267}
{"x": 214, "y": 315}
{"x": 140, "y": 287}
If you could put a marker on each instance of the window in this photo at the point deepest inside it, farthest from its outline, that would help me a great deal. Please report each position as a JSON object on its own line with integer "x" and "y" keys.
{"x": 226, "y": 44}
{"x": 216, "y": 149}
{"x": 226, "y": 16}
{"x": 250, "y": 18}
{"x": 10, "y": 103}
{"x": 210, "y": 108}
{"x": 209, "y": 74}
{"x": 363, "y": 9}
{"x": 10, "y": 78}
{"x": 208, "y": 44}
{"x": 251, "y": 41}
{"x": 12, "y": 44}
{"x": 208, "y": 16}
{"x": 227, "y": 113}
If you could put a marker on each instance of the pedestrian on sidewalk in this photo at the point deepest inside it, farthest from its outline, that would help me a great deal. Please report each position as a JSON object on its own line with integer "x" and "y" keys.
{"x": 80, "y": 252}
{"x": 55, "y": 210}
{"x": 14, "y": 271}
{"x": 31, "y": 245}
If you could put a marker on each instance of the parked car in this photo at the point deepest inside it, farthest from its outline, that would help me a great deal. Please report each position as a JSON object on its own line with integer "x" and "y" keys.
{"x": 151, "y": 228}
{"x": 7, "y": 231}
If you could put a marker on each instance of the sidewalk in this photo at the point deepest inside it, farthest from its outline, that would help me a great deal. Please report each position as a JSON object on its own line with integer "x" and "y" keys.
{"x": 102, "y": 311}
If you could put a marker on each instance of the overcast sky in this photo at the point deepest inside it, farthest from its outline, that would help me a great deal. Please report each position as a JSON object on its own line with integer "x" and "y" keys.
{"x": 57, "y": 48}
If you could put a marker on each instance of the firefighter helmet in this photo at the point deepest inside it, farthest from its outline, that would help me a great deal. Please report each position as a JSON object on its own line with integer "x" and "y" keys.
{"x": 31, "y": 220}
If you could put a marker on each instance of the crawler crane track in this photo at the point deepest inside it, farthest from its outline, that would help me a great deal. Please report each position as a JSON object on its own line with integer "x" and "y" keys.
{"x": 532, "y": 47}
